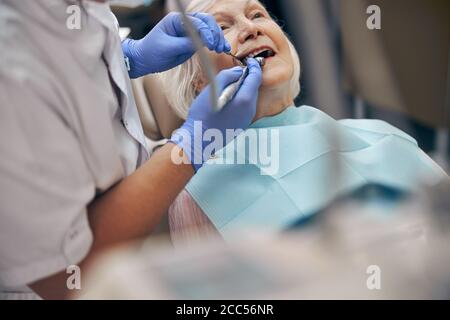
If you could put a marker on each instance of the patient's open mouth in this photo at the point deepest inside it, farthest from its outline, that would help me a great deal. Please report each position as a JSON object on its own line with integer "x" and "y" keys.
{"x": 265, "y": 53}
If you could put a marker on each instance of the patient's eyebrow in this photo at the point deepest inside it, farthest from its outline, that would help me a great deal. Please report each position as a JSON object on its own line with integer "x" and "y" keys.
{"x": 248, "y": 2}
{"x": 252, "y": 4}
{"x": 221, "y": 15}
{"x": 225, "y": 14}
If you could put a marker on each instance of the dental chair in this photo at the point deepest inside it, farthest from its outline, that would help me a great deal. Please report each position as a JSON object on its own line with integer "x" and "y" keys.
{"x": 158, "y": 118}
{"x": 404, "y": 68}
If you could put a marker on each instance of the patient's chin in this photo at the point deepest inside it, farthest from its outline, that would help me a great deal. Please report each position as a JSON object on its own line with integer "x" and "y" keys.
{"x": 277, "y": 72}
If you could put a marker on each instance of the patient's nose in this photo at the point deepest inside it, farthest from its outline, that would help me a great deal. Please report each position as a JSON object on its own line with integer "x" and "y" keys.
{"x": 248, "y": 31}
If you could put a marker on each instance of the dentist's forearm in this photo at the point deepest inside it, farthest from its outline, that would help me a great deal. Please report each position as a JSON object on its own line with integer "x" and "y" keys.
{"x": 136, "y": 205}
{"x": 128, "y": 211}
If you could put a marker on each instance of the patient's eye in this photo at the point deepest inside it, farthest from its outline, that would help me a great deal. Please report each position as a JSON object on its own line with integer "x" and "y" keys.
{"x": 224, "y": 23}
{"x": 257, "y": 15}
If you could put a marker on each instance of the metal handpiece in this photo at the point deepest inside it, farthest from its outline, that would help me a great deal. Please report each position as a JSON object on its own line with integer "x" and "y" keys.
{"x": 230, "y": 91}
{"x": 205, "y": 60}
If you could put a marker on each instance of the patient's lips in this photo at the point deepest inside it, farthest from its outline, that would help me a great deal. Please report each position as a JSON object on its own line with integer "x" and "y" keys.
{"x": 265, "y": 52}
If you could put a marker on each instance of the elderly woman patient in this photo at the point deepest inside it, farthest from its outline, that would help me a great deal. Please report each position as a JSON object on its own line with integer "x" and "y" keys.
{"x": 318, "y": 157}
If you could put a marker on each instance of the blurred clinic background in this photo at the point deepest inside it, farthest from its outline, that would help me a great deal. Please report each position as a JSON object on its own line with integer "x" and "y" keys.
{"x": 399, "y": 73}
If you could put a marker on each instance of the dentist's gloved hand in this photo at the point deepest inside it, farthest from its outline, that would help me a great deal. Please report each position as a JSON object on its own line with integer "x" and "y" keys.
{"x": 167, "y": 45}
{"x": 237, "y": 114}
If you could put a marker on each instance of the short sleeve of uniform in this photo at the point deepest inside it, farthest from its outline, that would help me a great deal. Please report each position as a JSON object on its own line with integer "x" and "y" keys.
{"x": 45, "y": 187}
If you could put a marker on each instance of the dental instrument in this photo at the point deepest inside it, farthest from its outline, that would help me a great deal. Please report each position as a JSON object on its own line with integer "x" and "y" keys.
{"x": 205, "y": 61}
{"x": 230, "y": 91}
{"x": 241, "y": 62}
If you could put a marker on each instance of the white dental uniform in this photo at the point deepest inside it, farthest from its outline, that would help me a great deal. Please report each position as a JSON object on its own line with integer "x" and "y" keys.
{"x": 69, "y": 130}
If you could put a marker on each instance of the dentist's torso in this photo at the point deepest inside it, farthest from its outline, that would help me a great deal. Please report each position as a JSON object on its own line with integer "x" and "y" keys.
{"x": 73, "y": 131}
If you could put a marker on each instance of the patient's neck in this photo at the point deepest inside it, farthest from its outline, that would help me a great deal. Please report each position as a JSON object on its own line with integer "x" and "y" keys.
{"x": 272, "y": 102}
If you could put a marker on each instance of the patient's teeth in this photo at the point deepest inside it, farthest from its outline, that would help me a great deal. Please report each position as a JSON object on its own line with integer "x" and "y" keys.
{"x": 269, "y": 54}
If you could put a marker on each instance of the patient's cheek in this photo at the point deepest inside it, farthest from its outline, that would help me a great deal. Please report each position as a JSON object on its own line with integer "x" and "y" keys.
{"x": 222, "y": 61}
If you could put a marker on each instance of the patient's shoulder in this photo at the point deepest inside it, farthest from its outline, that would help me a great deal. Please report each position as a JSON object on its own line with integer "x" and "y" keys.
{"x": 376, "y": 126}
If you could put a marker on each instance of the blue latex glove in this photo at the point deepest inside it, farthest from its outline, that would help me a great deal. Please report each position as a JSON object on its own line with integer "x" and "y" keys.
{"x": 167, "y": 45}
{"x": 237, "y": 114}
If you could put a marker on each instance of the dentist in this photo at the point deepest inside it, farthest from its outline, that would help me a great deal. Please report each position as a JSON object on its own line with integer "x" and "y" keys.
{"x": 75, "y": 174}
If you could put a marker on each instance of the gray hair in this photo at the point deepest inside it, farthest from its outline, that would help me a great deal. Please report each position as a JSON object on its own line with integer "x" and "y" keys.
{"x": 178, "y": 83}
